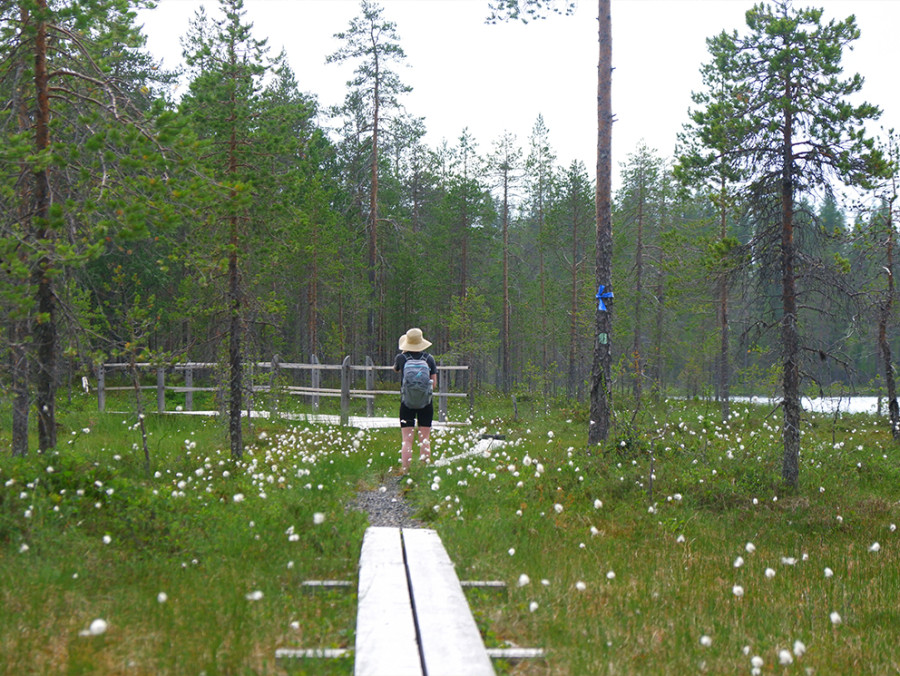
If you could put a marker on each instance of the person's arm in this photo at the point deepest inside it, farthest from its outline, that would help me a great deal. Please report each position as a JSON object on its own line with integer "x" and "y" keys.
{"x": 398, "y": 361}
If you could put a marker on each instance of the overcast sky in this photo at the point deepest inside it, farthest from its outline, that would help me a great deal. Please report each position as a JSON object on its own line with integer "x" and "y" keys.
{"x": 496, "y": 78}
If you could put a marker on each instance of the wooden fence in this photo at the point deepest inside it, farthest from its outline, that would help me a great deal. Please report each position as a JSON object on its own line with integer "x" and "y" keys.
{"x": 314, "y": 390}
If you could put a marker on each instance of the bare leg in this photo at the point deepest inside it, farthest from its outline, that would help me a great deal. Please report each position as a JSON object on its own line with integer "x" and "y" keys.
{"x": 425, "y": 444}
{"x": 406, "y": 448}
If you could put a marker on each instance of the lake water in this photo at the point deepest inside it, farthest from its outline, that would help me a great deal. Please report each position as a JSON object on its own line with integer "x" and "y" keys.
{"x": 826, "y": 404}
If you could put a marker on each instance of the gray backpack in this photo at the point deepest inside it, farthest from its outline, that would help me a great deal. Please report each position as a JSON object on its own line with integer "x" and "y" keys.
{"x": 416, "y": 385}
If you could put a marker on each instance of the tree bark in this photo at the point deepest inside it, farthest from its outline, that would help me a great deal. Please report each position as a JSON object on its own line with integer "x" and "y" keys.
{"x": 504, "y": 342}
{"x": 790, "y": 471}
{"x": 45, "y": 325}
{"x": 601, "y": 389}
{"x": 724, "y": 366}
{"x": 883, "y": 342}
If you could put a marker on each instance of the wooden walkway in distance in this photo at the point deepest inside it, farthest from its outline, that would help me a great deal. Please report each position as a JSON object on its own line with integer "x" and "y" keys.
{"x": 412, "y": 615}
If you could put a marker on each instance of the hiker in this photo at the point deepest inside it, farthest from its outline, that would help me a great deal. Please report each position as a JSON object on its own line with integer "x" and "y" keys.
{"x": 417, "y": 381}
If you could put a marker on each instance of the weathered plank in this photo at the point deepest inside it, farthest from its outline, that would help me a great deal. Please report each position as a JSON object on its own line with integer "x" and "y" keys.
{"x": 450, "y": 641}
{"x": 385, "y": 631}
{"x": 311, "y": 653}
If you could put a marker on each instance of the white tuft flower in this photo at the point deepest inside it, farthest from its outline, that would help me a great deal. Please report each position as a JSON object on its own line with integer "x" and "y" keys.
{"x": 705, "y": 641}
{"x": 679, "y": 539}
{"x": 785, "y": 657}
{"x": 598, "y": 504}
{"x": 24, "y": 548}
{"x": 788, "y": 560}
{"x": 295, "y": 625}
{"x": 874, "y": 547}
{"x": 770, "y": 573}
{"x": 107, "y": 539}
{"x": 737, "y": 590}
{"x": 611, "y": 575}
{"x": 799, "y": 648}
{"x": 238, "y": 497}
{"x": 738, "y": 562}
{"x": 512, "y": 551}
{"x": 558, "y": 507}
{"x": 532, "y": 606}
{"x": 96, "y": 628}
{"x": 580, "y": 586}
{"x": 828, "y": 572}
{"x": 750, "y": 547}
{"x": 835, "y": 618}
{"x": 162, "y": 597}
{"x": 318, "y": 518}
{"x": 756, "y": 662}
{"x": 254, "y": 596}
{"x": 524, "y": 580}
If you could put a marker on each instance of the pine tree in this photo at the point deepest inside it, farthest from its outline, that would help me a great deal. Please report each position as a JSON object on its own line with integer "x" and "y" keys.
{"x": 223, "y": 103}
{"x": 373, "y": 43}
{"x": 87, "y": 166}
{"x": 794, "y": 128}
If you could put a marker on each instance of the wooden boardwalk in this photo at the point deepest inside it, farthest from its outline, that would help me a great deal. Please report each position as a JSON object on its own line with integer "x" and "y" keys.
{"x": 412, "y": 615}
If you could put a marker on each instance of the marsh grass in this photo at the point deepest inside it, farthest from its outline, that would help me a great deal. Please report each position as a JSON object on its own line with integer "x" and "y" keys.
{"x": 626, "y": 571}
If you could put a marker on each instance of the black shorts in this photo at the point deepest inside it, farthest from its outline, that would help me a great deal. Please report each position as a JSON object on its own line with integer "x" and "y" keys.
{"x": 408, "y": 416}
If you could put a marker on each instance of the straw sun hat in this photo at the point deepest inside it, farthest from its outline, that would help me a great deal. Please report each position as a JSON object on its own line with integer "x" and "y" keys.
{"x": 412, "y": 341}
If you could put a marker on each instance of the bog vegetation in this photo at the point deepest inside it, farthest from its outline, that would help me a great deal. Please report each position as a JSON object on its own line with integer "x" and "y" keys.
{"x": 674, "y": 548}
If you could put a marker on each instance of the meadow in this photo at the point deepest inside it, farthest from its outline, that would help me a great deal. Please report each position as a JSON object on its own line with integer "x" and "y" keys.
{"x": 673, "y": 548}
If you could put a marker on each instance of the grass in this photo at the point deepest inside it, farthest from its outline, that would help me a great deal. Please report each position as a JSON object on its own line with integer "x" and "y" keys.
{"x": 630, "y": 550}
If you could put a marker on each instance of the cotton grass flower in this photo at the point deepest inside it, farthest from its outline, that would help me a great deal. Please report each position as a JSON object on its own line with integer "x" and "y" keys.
{"x": 558, "y": 508}
{"x": 524, "y": 580}
{"x": 738, "y": 562}
{"x": 835, "y": 618}
{"x": 770, "y": 573}
{"x": 611, "y": 575}
{"x": 785, "y": 657}
{"x": 96, "y": 628}
{"x": 580, "y": 586}
{"x": 874, "y": 547}
{"x": 705, "y": 641}
{"x": 238, "y": 497}
{"x": 737, "y": 590}
{"x": 254, "y": 595}
{"x": 533, "y": 606}
{"x": 750, "y": 547}
{"x": 799, "y": 648}
{"x": 829, "y": 572}
{"x": 318, "y": 518}
{"x": 162, "y": 597}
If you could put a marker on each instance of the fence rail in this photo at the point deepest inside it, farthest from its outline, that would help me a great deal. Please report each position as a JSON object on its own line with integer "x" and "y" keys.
{"x": 314, "y": 390}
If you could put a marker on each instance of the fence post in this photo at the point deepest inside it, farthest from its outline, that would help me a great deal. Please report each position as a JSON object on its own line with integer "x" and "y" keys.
{"x": 160, "y": 389}
{"x": 273, "y": 378}
{"x": 345, "y": 391}
{"x": 316, "y": 375}
{"x": 101, "y": 387}
{"x": 442, "y": 393}
{"x": 370, "y": 386}
{"x": 188, "y": 383}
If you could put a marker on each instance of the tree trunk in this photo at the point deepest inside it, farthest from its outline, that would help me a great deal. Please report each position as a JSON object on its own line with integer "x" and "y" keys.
{"x": 724, "y": 366}
{"x": 883, "y": 342}
{"x": 45, "y": 325}
{"x": 601, "y": 391}
{"x": 573, "y": 307}
{"x": 373, "y": 230}
{"x": 235, "y": 360}
{"x": 637, "y": 384}
{"x": 790, "y": 339}
{"x": 504, "y": 341}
